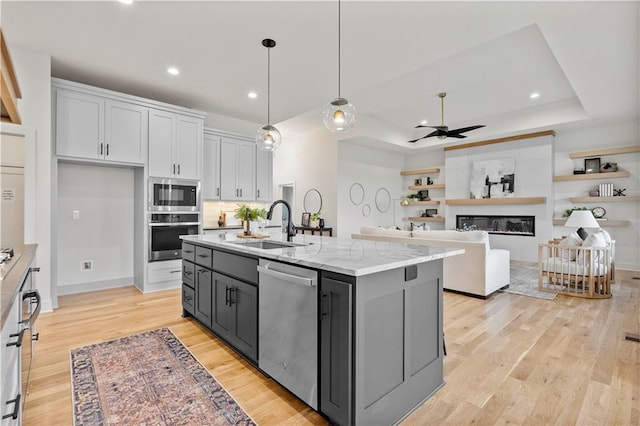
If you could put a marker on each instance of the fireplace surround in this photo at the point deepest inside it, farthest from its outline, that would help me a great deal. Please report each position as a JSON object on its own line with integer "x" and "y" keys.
{"x": 504, "y": 225}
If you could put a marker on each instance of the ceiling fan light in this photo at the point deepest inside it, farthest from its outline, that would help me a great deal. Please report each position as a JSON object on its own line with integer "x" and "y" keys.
{"x": 441, "y": 136}
{"x": 268, "y": 138}
{"x": 339, "y": 115}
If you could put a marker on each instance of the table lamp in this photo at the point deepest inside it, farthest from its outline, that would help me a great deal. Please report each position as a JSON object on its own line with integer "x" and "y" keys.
{"x": 582, "y": 219}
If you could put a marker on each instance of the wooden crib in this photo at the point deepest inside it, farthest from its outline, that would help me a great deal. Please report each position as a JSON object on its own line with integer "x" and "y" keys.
{"x": 575, "y": 270}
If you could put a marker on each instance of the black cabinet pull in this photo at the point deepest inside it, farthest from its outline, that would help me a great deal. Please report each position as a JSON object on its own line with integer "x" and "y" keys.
{"x": 174, "y": 168}
{"x": 107, "y": 149}
{"x": 218, "y": 191}
{"x": 178, "y": 168}
{"x": 188, "y": 273}
{"x": 17, "y": 343}
{"x": 226, "y": 295}
{"x": 325, "y": 307}
{"x": 101, "y": 144}
{"x": 188, "y": 251}
{"x": 258, "y": 196}
{"x": 203, "y": 255}
{"x": 16, "y": 408}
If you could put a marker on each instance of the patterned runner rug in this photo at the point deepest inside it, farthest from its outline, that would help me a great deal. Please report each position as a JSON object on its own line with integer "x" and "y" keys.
{"x": 149, "y": 378}
{"x": 524, "y": 281}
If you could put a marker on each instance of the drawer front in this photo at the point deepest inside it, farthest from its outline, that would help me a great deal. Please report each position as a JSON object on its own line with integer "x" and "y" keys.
{"x": 241, "y": 267}
{"x": 169, "y": 270}
{"x": 203, "y": 256}
{"x": 189, "y": 252}
{"x": 188, "y": 273}
{"x": 188, "y": 299}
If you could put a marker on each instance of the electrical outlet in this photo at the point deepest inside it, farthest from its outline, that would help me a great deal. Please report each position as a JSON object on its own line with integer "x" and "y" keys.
{"x": 87, "y": 265}
{"x": 76, "y": 214}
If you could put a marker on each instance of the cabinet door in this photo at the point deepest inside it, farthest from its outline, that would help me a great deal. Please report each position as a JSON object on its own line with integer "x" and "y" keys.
{"x": 264, "y": 175}
{"x": 79, "y": 125}
{"x": 246, "y": 170}
{"x": 211, "y": 168}
{"x": 125, "y": 132}
{"x": 204, "y": 304}
{"x": 222, "y": 321}
{"x": 188, "y": 147}
{"x": 162, "y": 131}
{"x": 335, "y": 351}
{"x": 228, "y": 163}
{"x": 244, "y": 299}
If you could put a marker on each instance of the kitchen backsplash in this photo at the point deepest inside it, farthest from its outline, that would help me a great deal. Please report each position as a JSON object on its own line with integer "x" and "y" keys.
{"x": 211, "y": 211}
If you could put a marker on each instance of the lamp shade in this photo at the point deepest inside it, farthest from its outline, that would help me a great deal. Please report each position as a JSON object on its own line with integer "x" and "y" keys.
{"x": 582, "y": 219}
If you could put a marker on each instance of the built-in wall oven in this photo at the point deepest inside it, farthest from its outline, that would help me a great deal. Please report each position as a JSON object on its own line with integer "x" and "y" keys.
{"x": 165, "y": 230}
{"x": 179, "y": 195}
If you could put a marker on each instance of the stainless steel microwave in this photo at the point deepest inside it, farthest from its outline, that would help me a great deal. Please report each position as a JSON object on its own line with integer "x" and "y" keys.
{"x": 169, "y": 195}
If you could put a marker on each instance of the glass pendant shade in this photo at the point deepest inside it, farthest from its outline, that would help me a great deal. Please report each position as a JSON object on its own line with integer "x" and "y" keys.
{"x": 268, "y": 138}
{"x": 339, "y": 115}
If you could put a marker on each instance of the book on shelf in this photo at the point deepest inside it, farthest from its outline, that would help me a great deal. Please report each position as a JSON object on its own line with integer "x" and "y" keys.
{"x": 605, "y": 189}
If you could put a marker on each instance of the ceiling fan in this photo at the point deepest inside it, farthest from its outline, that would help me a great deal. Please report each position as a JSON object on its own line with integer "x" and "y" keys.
{"x": 443, "y": 132}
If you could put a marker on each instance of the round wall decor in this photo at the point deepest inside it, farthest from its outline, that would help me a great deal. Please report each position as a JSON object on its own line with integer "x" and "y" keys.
{"x": 366, "y": 210}
{"x": 383, "y": 200}
{"x": 356, "y": 194}
{"x": 312, "y": 202}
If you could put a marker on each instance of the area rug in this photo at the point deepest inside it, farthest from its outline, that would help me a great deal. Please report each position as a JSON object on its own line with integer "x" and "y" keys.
{"x": 147, "y": 379}
{"x": 524, "y": 281}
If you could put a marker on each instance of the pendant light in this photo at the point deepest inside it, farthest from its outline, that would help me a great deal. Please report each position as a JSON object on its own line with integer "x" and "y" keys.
{"x": 268, "y": 138}
{"x": 339, "y": 115}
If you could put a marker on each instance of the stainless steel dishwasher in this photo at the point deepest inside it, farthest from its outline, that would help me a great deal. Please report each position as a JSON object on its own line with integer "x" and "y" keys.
{"x": 288, "y": 327}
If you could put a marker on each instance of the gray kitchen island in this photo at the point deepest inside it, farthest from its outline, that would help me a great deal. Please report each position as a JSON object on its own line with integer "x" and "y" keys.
{"x": 357, "y": 334}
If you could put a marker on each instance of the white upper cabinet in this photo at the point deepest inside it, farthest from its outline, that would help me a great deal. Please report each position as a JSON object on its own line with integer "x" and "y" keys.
{"x": 175, "y": 145}
{"x": 237, "y": 169}
{"x": 94, "y": 128}
{"x": 211, "y": 167}
{"x": 264, "y": 175}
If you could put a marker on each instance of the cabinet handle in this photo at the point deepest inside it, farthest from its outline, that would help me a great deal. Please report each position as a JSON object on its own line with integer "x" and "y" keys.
{"x": 325, "y": 307}
{"x": 226, "y": 295}
{"x": 202, "y": 255}
{"x": 178, "y": 168}
{"x": 258, "y": 194}
{"x": 232, "y": 293}
{"x": 218, "y": 191}
{"x": 101, "y": 145}
{"x": 188, "y": 273}
{"x": 107, "y": 149}
{"x": 202, "y": 271}
{"x": 175, "y": 272}
{"x": 174, "y": 168}
{"x": 241, "y": 192}
{"x": 16, "y": 408}
{"x": 17, "y": 343}
{"x": 188, "y": 251}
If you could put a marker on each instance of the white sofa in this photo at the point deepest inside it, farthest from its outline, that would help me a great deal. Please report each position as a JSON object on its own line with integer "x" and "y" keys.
{"x": 480, "y": 271}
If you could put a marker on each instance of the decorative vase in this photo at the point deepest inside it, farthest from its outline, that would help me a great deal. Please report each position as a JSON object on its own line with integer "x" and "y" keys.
{"x": 246, "y": 227}
{"x": 220, "y": 221}
{"x": 313, "y": 223}
{"x": 321, "y": 223}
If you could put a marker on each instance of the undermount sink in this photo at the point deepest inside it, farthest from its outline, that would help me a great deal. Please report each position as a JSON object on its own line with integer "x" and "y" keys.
{"x": 268, "y": 244}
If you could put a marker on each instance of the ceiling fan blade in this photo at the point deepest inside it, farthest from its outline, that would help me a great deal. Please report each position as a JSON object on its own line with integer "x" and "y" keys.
{"x": 454, "y": 135}
{"x": 465, "y": 129}
{"x": 434, "y": 133}
{"x": 432, "y": 127}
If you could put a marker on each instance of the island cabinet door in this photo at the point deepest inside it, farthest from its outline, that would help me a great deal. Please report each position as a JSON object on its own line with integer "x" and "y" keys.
{"x": 222, "y": 316}
{"x": 203, "y": 289}
{"x": 244, "y": 301}
{"x": 336, "y": 390}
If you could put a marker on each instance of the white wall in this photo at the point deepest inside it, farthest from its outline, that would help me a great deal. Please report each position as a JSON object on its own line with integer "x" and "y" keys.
{"x": 533, "y": 178}
{"x": 230, "y": 124}
{"x": 103, "y": 234}
{"x": 596, "y": 136}
{"x": 374, "y": 170}
{"x": 33, "y": 70}
{"x": 309, "y": 161}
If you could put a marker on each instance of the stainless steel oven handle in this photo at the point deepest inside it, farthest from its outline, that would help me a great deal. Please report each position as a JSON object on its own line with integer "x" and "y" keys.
{"x": 34, "y": 294}
{"x": 294, "y": 279}
{"x": 174, "y": 223}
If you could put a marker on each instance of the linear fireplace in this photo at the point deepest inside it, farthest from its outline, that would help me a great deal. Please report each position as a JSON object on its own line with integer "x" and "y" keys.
{"x": 506, "y": 225}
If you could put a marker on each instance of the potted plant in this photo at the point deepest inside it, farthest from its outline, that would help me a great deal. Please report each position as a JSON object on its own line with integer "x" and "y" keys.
{"x": 315, "y": 218}
{"x": 247, "y": 215}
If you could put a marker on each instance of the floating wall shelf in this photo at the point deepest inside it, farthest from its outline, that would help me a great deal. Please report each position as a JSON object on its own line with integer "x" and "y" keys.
{"x": 424, "y": 203}
{"x": 433, "y": 186}
{"x": 587, "y": 176}
{"x": 420, "y": 171}
{"x": 606, "y": 151}
{"x": 495, "y": 201}
{"x": 605, "y": 223}
{"x": 425, "y": 219}
{"x": 604, "y": 199}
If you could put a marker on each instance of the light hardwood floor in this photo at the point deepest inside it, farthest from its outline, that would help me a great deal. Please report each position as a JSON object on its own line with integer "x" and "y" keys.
{"x": 511, "y": 359}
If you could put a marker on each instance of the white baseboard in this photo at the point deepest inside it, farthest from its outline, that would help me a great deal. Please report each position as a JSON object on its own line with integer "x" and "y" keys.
{"x": 94, "y": 286}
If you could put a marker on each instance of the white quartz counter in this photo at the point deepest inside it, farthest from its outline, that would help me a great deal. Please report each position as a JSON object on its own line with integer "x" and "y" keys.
{"x": 340, "y": 255}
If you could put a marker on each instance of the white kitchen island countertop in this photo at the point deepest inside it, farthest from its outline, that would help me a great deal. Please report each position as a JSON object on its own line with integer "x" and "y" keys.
{"x": 341, "y": 255}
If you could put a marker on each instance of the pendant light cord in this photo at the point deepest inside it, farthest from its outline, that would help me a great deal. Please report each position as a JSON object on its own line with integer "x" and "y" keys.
{"x": 442, "y": 108}
{"x": 339, "y": 53}
{"x": 269, "y": 85}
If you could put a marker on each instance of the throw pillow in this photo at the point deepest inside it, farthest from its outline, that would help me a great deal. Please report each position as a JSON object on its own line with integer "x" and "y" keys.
{"x": 582, "y": 233}
{"x": 593, "y": 241}
{"x": 569, "y": 255}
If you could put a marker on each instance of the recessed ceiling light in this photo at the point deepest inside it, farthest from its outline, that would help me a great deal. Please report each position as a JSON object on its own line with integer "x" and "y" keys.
{"x": 126, "y": 1}
{"x": 252, "y": 95}
{"x": 173, "y": 70}
{"x": 534, "y": 95}
{"x": 423, "y": 122}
